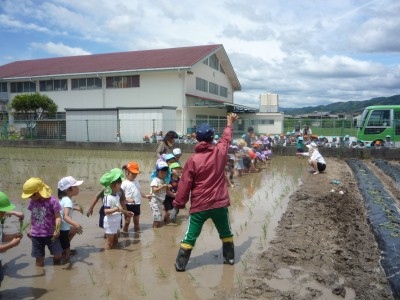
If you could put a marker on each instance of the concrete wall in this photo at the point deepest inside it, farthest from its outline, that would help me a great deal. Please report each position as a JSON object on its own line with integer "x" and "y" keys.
{"x": 384, "y": 153}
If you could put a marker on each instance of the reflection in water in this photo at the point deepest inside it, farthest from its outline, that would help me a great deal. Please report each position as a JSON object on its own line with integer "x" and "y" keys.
{"x": 144, "y": 264}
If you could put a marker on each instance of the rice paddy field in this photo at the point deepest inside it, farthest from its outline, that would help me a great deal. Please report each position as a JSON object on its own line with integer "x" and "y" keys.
{"x": 143, "y": 264}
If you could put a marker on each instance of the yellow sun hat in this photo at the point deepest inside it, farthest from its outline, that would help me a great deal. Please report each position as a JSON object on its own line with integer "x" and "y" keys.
{"x": 33, "y": 185}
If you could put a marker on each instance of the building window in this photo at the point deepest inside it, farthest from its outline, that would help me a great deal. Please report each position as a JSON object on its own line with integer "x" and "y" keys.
{"x": 3, "y": 87}
{"x": 86, "y": 83}
{"x": 123, "y": 81}
{"x": 53, "y": 85}
{"x": 214, "y": 62}
{"x": 23, "y": 87}
{"x": 262, "y": 122}
{"x": 221, "y": 69}
{"x": 267, "y": 122}
{"x": 223, "y": 91}
{"x": 200, "y": 119}
{"x": 201, "y": 84}
{"x": 205, "y": 61}
{"x": 213, "y": 121}
{"x": 213, "y": 88}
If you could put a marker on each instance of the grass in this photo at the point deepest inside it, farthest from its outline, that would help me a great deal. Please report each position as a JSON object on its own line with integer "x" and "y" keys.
{"x": 239, "y": 280}
{"x": 142, "y": 290}
{"x": 91, "y": 277}
{"x": 265, "y": 230}
{"x": 244, "y": 263}
{"x": 82, "y": 208}
{"x": 191, "y": 277}
{"x": 134, "y": 271}
{"x": 56, "y": 228}
{"x": 161, "y": 273}
{"x": 250, "y": 210}
{"x": 23, "y": 226}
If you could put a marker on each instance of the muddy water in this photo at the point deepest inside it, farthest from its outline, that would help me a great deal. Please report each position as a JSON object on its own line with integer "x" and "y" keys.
{"x": 143, "y": 266}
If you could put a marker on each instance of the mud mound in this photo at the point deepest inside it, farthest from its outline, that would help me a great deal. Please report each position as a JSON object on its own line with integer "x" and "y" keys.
{"x": 389, "y": 169}
{"x": 324, "y": 247}
{"x": 384, "y": 218}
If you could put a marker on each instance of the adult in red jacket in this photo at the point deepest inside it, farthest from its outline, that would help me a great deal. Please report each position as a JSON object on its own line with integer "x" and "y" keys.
{"x": 203, "y": 182}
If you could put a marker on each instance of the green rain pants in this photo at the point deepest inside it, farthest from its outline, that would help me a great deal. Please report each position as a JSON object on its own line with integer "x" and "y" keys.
{"x": 220, "y": 218}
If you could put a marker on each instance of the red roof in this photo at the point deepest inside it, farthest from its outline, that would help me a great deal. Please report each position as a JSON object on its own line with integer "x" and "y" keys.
{"x": 120, "y": 61}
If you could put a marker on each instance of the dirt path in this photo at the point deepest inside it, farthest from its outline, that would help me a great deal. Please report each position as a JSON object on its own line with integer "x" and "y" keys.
{"x": 324, "y": 248}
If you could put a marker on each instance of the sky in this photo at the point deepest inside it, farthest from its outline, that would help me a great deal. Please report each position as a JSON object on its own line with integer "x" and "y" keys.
{"x": 309, "y": 52}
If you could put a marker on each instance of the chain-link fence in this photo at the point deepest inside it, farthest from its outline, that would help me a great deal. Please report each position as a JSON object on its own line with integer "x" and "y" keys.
{"x": 149, "y": 130}
{"x": 323, "y": 127}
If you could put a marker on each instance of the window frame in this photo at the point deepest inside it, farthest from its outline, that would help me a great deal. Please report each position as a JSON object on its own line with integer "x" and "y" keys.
{"x": 23, "y": 87}
{"x": 116, "y": 82}
{"x": 53, "y": 85}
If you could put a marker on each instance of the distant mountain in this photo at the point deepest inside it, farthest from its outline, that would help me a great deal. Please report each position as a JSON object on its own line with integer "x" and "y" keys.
{"x": 348, "y": 107}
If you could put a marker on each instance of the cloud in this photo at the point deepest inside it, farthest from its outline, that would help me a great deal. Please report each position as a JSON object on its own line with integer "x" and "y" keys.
{"x": 378, "y": 35}
{"x": 308, "y": 52}
{"x": 12, "y": 24}
{"x": 60, "y": 49}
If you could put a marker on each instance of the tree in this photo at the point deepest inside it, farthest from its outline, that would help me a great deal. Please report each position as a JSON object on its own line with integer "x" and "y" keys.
{"x": 33, "y": 107}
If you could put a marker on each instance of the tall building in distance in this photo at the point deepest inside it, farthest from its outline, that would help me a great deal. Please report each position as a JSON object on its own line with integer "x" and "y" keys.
{"x": 269, "y": 102}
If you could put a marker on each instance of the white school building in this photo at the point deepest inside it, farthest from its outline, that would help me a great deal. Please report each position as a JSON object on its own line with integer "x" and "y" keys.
{"x": 135, "y": 93}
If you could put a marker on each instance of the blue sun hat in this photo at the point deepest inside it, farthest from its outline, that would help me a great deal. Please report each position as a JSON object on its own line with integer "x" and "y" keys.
{"x": 169, "y": 156}
{"x": 161, "y": 165}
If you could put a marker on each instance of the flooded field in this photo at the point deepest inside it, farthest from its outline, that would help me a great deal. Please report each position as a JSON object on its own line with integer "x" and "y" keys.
{"x": 143, "y": 266}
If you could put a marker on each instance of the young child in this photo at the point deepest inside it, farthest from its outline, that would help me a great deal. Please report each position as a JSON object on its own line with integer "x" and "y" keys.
{"x": 177, "y": 152}
{"x": 100, "y": 196}
{"x": 176, "y": 172}
{"x": 68, "y": 187}
{"x": 112, "y": 181}
{"x": 299, "y": 144}
{"x": 45, "y": 220}
{"x": 229, "y": 168}
{"x": 170, "y": 159}
{"x": 10, "y": 240}
{"x": 203, "y": 182}
{"x": 240, "y": 153}
{"x": 158, "y": 191}
{"x": 133, "y": 194}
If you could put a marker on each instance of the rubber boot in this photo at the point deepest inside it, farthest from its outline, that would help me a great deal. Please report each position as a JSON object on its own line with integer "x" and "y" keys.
{"x": 182, "y": 259}
{"x": 228, "y": 251}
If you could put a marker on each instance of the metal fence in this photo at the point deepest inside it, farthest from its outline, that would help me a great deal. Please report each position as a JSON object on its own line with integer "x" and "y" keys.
{"x": 323, "y": 127}
{"x": 144, "y": 130}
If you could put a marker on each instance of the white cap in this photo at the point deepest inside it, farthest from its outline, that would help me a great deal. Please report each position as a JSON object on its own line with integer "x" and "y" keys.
{"x": 312, "y": 145}
{"x": 177, "y": 151}
{"x": 66, "y": 182}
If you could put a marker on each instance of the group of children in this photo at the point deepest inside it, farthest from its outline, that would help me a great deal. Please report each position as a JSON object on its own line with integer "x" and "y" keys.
{"x": 300, "y": 140}
{"x": 52, "y": 224}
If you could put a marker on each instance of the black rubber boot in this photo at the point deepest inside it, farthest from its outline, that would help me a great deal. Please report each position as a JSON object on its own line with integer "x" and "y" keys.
{"x": 228, "y": 251}
{"x": 182, "y": 259}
